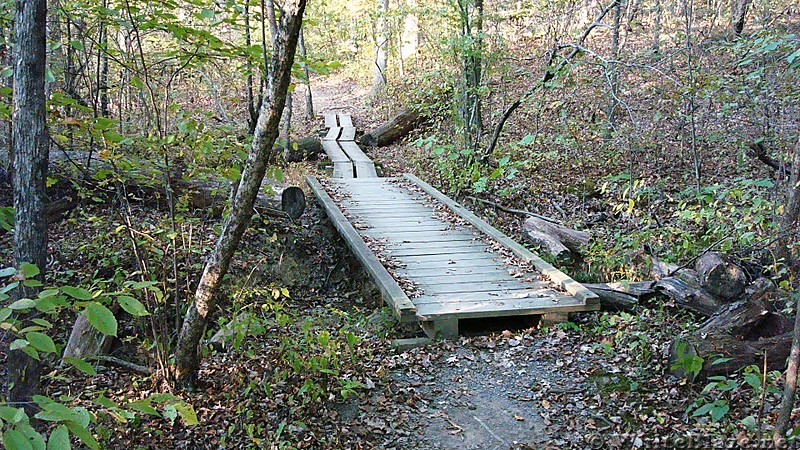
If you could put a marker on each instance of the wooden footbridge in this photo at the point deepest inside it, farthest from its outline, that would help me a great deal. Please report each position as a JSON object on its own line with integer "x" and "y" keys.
{"x": 433, "y": 260}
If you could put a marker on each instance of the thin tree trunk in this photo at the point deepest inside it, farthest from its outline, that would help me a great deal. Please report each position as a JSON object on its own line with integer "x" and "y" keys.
{"x": 252, "y": 114}
{"x": 103, "y": 78}
{"x": 657, "y": 27}
{"x": 309, "y": 97}
{"x": 286, "y": 123}
{"x": 739, "y": 15}
{"x": 235, "y": 224}
{"x": 472, "y": 70}
{"x": 791, "y": 212}
{"x": 790, "y": 388}
{"x": 30, "y": 164}
{"x": 286, "y": 126}
{"x": 382, "y": 48}
{"x": 612, "y": 73}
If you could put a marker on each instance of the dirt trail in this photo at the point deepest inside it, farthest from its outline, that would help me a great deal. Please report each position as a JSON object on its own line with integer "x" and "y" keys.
{"x": 335, "y": 94}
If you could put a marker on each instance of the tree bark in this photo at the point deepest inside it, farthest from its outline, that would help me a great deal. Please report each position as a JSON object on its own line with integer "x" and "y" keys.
{"x": 791, "y": 212}
{"x": 309, "y": 98}
{"x": 612, "y": 72}
{"x": 790, "y": 222}
{"x": 235, "y": 224}
{"x": 471, "y": 12}
{"x": 30, "y": 172}
{"x": 381, "y": 48}
{"x": 739, "y": 15}
{"x": 790, "y": 385}
{"x": 622, "y": 296}
{"x": 685, "y": 291}
{"x": 393, "y": 129}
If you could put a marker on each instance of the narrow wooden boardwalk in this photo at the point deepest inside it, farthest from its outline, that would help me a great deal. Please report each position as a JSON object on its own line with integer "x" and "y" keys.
{"x": 452, "y": 264}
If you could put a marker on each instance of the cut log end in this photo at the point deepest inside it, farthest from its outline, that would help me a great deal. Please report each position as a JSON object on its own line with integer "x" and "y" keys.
{"x": 720, "y": 276}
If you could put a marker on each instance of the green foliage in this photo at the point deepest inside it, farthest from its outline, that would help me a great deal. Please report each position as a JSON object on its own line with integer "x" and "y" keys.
{"x": 688, "y": 363}
{"x": 7, "y": 218}
{"x": 461, "y": 169}
{"x": 32, "y": 338}
{"x": 732, "y": 217}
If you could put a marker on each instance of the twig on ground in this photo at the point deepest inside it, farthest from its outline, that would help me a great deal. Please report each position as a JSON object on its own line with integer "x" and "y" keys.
{"x": 515, "y": 211}
{"x": 133, "y": 367}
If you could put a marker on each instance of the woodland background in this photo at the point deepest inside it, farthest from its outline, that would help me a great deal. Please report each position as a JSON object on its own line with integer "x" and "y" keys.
{"x": 666, "y": 129}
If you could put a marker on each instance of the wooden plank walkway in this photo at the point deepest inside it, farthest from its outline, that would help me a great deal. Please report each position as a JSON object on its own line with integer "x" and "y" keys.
{"x": 452, "y": 269}
{"x": 339, "y": 144}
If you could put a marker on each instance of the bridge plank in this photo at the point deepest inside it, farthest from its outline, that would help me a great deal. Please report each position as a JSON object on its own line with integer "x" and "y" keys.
{"x": 558, "y": 277}
{"x": 330, "y": 120}
{"x": 345, "y": 120}
{"x": 402, "y": 306}
{"x": 347, "y": 134}
{"x": 332, "y": 134}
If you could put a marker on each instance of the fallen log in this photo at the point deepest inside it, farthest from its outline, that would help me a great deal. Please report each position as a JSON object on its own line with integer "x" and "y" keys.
{"x": 212, "y": 195}
{"x": 392, "y": 130}
{"x": 685, "y": 291}
{"x": 737, "y": 336}
{"x": 560, "y": 242}
{"x": 304, "y": 149}
{"x": 720, "y": 276}
{"x": 623, "y": 296}
{"x": 138, "y": 176}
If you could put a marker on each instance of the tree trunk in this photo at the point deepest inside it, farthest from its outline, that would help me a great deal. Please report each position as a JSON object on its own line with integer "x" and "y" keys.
{"x": 471, "y": 12}
{"x": 613, "y": 72}
{"x": 791, "y": 212}
{"x": 30, "y": 172}
{"x": 235, "y": 224}
{"x": 790, "y": 221}
{"x": 657, "y": 26}
{"x": 86, "y": 341}
{"x": 560, "y": 242}
{"x": 286, "y": 126}
{"x": 739, "y": 15}
{"x": 393, "y": 129}
{"x": 381, "y": 48}
{"x": 721, "y": 277}
{"x": 309, "y": 97}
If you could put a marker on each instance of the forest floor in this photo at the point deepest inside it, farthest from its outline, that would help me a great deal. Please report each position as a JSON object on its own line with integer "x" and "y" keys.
{"x": 314, "y": 369}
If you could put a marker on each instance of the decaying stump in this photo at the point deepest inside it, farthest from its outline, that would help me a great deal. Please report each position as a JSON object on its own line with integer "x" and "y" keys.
{"x": 560, "y": 242}
{"x": 720, "y": 276}
{"x": 736, "y": 337}
{"x": 85, "y": 341}
{"x": 394, "y": 129}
